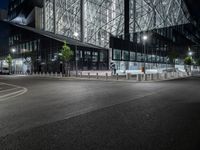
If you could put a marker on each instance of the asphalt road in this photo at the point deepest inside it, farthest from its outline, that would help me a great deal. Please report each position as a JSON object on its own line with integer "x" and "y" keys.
{"x": 53, "y": 114}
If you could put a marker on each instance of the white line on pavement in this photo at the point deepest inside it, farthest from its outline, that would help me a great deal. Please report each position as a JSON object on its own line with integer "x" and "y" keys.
{"x": 21, "y": 91}
{"x": 7, "y": 90}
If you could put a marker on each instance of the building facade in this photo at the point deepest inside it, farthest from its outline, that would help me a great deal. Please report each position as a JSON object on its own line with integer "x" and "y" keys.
{"x": 102, "y": 31}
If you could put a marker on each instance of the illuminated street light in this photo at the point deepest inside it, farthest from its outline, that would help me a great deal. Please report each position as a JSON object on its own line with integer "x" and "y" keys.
{"x": 190, "y": 53}
{"x": 13, "y": 50}
{"x": 145, "y": 37}
{"x": 76, "y": 61}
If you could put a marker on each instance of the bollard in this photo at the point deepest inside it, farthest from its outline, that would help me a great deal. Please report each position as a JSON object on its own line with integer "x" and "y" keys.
{"x": 106, "y": 76}
{"x": 172, "y": 74}
{"x": 81, "y": 74}
{"x": 56, "y": 74}
{"x": 128, "y": 76}
{"x": 157, "y": 76}
{"x": 176, "y": 74}
{"x": 88, "y": 75}
{"x": 165, "y": 76}
{"x": 145, "y": 77}
{"x": 61, "y": 74}
{"x": 151, "y": 76}
{"x": 139, "y": 77}
{"x": 117, "y": 76}
{"x": 181, "y": 74}
{"x": 97, "y": 76}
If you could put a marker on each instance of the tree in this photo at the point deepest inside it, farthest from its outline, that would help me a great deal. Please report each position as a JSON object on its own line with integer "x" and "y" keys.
{"x": 188, "y": 60}
{"x": 65, "y": 55}
{"x": 9, "y": 62}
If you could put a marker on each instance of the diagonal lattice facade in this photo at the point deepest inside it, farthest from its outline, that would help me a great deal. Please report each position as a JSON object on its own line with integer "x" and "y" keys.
{"x": 150, "y": 14}
{"x": 95, "y": 21}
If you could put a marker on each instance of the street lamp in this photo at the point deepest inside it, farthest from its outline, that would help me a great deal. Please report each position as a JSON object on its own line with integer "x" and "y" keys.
{"x": 145, "y": 38}
{"x": 167, "y": 59}
{"x": 190, "y": 53}
{"x": 13, "y": 50}
{"x": 76, "y": 61}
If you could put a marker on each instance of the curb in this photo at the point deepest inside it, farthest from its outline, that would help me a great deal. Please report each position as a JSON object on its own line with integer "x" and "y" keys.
{"x": 103, "y": 80}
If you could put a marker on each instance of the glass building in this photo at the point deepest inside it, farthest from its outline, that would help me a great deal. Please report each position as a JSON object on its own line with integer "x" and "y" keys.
{"x": 106, "y": 31}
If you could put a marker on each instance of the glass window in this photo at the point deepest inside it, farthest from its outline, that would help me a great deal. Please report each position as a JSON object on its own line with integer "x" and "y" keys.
{"x": 125, "y": 55}
{"x": 153, "y": 58}
{"x": 80, "y": 54}
{"x": 132, "y": 56}
{"x": 149, "y": 58}
{"x": 87, "y": 55}
{"x": 139, "y": 57}
{"x": 31, "y": 48}
{"x": 24, "y": 47}
{"x": 95, "y": 56}
{"x": 117, "y": 54}
{"x": 102, "y": 56}
{"x": 35, "y": 45}
{"x": 158, "y": 59}
{"x": 27, "y": 46}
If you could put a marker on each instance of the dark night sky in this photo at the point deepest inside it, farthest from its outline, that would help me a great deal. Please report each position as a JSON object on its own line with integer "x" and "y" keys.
{"x": 3, "y": 3}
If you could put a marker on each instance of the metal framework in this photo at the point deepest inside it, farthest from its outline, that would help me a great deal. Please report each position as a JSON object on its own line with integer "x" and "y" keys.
{"x": 96, "y": 20}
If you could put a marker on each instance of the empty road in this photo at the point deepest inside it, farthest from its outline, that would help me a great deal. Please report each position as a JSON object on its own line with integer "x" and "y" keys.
{"x": 54, "y": 114}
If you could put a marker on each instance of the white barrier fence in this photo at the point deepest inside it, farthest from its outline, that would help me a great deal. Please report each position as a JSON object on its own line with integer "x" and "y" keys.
{"x": 106, "y": 75}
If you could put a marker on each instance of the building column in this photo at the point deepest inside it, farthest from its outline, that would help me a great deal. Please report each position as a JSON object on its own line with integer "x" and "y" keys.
{"x": 54, "y": 17}
{"x": 154, "y": 16}
{"x": 44, "y": 15}
{"x": 134, "y": 21}
{"x": 126, "y": 20}
{"x": 82, "y": 20}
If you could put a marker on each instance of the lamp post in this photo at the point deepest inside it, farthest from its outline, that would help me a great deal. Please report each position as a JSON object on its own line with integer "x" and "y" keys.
{"x": 145, "y": 38}
{"x": 190, "y": 53}
{"x": 13, "y": 50}
{"x": 167, "y": 59}
{"x": 76, "y": 58}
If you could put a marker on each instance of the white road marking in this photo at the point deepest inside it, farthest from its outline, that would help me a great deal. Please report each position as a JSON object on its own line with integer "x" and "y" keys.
{"x": 10, "y": 94}
{"x": 7, "y": 90}
{"x": 21, "y": 91}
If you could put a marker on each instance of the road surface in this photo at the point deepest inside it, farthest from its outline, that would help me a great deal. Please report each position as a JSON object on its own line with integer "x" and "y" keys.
{"x": 45, "y": 114}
